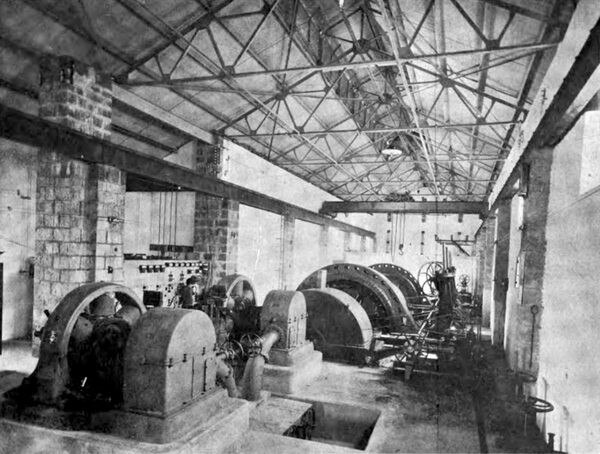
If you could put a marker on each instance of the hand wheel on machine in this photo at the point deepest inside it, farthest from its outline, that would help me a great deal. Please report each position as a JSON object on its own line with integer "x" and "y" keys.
{"x": 232, "y": 350}
{"x": 252, "y": 344}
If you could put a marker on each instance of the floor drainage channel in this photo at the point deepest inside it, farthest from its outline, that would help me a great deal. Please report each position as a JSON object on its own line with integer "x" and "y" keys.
{"x": 339, "y": 424}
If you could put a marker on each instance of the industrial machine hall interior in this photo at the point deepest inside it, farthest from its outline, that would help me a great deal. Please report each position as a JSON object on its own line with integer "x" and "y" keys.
{"x": 299, "y": 226}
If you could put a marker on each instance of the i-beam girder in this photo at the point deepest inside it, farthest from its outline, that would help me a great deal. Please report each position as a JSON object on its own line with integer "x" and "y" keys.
{"x": 435, "y": 207}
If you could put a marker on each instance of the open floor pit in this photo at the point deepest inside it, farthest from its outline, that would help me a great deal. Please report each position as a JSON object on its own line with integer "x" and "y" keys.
{"x": 345, "y": 425}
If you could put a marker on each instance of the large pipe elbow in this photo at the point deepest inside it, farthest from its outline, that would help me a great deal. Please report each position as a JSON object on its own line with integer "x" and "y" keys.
{"x": 225, "y": 374}
{"x": 269, "y": 339}
{"x": 253, "y": 373}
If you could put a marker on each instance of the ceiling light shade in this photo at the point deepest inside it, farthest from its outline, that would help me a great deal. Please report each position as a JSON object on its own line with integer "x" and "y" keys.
{"x": 392, "y": 147}
{"x": 392, "y": 151}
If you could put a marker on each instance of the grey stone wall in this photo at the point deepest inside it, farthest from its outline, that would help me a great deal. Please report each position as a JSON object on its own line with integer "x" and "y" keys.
{"x": 80, "y": 207}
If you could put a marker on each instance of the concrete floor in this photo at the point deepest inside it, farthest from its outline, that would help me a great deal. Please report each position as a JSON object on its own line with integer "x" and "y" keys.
{"x": 426, "y": 414}
{"x": 411, "y": 420}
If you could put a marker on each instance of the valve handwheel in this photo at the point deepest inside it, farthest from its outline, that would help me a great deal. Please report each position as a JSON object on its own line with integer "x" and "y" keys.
{"x": 252, "y": 344}
{"x": 425, "y": 277}
{"x": 464, "y": 280}
{"x": 537, "y": 405}
{"x": 232, "y": 350}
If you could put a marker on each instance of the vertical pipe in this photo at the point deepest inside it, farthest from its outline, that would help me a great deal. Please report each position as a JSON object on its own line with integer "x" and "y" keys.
{"x": 158, "y": 239}
{"x": 164, "y": 220}
{"x": 225, "y": 374}
{"x": 176, "y": 214}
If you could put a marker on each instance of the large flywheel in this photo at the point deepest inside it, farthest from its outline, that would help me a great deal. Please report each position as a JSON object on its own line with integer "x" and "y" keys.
{"x": 82, "y": 343}
{"x": 405, "y": 281}
{"x": 382, "y": 301}
{"x": 238, "y": 286}
{"x": 337, "y": 324}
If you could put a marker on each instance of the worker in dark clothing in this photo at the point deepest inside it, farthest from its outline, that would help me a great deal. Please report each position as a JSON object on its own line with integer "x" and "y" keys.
{"x": 188, "y": 293}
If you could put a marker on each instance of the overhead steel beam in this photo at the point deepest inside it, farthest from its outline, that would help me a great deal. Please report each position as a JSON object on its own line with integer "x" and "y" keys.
{"x": 375, "y": 130}
{"x": 404, "y": 207}
{"x": 158, "y": 113}
{"x": 180, "y": 82}
{"x": 532, "y": 71}
{"x": 526, "y": 12}
{"x": 20, "y": 127}
{"x": 143, "y": 139}
{"x": 571, "y": 81}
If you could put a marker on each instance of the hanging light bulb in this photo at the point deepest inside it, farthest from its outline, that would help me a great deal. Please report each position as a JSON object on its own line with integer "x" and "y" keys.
{"x": 391, "y": 148}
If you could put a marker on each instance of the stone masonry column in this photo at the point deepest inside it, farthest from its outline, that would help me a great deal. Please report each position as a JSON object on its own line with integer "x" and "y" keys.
{"x": 216, "y": 221}
{"x": 521, "y": 353}
{"x": 500, "y": 282}
{"x": 80, "y": 207}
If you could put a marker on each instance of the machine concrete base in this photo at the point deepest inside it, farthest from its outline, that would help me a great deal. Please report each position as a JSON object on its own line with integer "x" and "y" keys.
{"x": 212, "y": 436}
{"x": 288, "y": 379}
{"x": 155, "y": 428}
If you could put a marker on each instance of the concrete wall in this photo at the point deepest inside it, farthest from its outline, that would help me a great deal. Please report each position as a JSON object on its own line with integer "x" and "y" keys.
{"x": 484, "y": 273}
{"x": 246, "y": 169}
{"x": 242, "y": 167}
{"x": 262, "y": 237}
{"x": 500, "y": 272}
{"x": 306, "y": 256}
{"x": 17, "y": 236}
{"x": 568, "y": 363}
{"x": 407, "y": 230}
{"x": 259, "y": 250}
{"x": 516, "y": 354}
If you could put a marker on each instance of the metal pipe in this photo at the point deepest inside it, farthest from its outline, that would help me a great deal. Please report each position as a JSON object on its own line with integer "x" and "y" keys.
{"x": 253, "y": 373}
{"x": 225, "y": 374}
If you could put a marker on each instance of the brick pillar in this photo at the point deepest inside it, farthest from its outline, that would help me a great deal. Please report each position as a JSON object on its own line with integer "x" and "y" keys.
{"x": 500, "y": 282}
{"x": 80, "y": 207}
{"x": 106, "y": 210}
{"x": 75, "y": 95}
{"x": 532, "y": 251}
{"x": 216, "y": 221}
